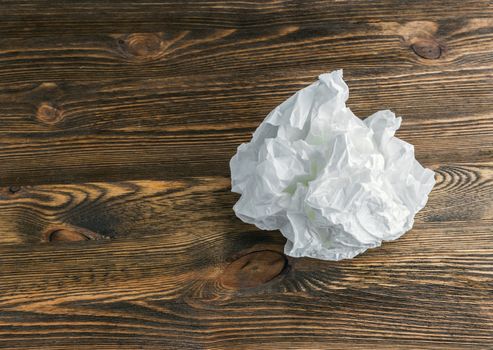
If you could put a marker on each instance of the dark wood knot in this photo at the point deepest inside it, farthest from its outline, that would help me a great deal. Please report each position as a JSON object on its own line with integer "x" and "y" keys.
{"x": 253, "y": 269}
{"x": 49, "y": 114}
{"x": 428, "y": 49}
{"x": 142, "y": 46}
{"x": 71, "y": 234}
{"x": 14, "y": 189}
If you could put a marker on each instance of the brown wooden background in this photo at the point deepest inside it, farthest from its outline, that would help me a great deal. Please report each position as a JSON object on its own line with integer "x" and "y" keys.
{"x": 117, "y": 122}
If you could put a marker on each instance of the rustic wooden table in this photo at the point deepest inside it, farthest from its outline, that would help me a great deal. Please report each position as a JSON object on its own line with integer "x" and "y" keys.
{"x": 117, "y": 122}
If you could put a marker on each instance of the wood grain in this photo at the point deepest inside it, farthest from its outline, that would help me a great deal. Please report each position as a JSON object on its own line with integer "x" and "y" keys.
{"x": 85, "y": 105}
{"x": 145, "y": 208}
{"x": 43, "y": 18}
{"x": 163, "y": 293}
{"x": 117, "y": 122}
{"x": 169, "y": 269}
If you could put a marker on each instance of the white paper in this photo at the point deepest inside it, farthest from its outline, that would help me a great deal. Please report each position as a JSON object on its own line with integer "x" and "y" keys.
{"x": 333, "y": 184}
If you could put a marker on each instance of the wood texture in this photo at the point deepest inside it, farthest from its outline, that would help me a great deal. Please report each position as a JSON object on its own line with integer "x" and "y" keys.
{"x": 117, "y": 122}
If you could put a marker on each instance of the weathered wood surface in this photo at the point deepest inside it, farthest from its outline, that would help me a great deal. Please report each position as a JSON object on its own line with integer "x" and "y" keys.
{"x": 117, "y": 122}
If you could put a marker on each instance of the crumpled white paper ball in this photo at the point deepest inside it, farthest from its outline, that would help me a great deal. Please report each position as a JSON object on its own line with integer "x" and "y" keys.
{"x": 333, "y": 184}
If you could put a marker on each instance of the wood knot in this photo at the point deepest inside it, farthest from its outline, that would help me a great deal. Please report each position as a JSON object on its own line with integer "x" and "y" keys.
{"x": 14, "y": 189}
{"x": 142, "y": 46}
{"x": 427, "y": 48}
{"x": 253, "y": 269}
{"x": 49, "y": 114}
{"x": 48, "y": 85}
{"x": 72, "y": 234}
{"x": 67, "y": 236}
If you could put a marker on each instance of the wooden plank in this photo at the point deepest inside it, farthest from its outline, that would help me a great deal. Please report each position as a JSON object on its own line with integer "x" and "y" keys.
{"x": 136, "y": 209}
{"x": 195, "y": 138}
{"x": 376, "y": 47}
{"x": 42, "y": 18}
{"x": 430, "y": 289}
